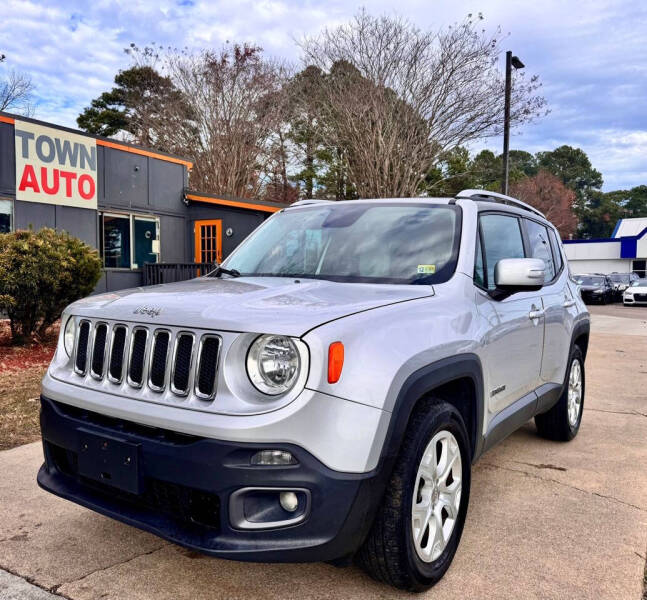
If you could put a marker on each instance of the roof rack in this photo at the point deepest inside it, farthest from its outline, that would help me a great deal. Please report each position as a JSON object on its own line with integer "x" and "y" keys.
{"x": 310, "y": 201}
{"x": 485, "y": 195}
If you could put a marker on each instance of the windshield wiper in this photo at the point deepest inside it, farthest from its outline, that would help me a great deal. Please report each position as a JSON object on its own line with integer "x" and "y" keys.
{"x": 218, "y": 271}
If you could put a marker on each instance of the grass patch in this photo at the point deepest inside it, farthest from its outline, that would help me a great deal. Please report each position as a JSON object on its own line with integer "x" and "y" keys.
{"x": 19, "y": 406}
{"x": 21, "y": 369}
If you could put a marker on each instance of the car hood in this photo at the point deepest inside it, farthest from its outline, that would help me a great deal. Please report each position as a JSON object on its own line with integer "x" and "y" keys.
{"x": 637, "y": 289}
{"x": 251, "y": 304}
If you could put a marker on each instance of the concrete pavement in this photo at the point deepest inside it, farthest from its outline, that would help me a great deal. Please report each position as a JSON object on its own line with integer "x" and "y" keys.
{"x": 546, "y": 519}
{"x": 13, "y": 587}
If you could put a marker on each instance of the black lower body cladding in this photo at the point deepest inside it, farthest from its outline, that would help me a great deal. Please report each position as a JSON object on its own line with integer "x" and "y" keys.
{"x": 179, "y": 487}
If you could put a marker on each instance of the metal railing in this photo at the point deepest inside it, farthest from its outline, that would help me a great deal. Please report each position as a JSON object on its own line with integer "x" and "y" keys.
{"x": 155, "y": 273}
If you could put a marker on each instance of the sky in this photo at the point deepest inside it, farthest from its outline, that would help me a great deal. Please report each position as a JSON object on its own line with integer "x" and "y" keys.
{"x": 590, "y": 55}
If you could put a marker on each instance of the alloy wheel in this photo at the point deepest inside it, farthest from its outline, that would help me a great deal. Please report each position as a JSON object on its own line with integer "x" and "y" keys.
{"x": 436, "y": 496}
{"x": 574, "y": 392}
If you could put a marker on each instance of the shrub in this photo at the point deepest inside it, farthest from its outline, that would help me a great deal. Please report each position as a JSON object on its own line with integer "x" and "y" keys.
{"x": 40, "y": 274}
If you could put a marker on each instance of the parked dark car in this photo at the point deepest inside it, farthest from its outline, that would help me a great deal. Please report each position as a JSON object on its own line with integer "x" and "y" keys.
{"x": 595, "y": 289}
{"x": 620, "y": 282}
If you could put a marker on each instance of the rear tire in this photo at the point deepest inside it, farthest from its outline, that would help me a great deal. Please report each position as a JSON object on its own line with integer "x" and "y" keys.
{"x": 411, "y": 544}
{"x": 562, "y": 422}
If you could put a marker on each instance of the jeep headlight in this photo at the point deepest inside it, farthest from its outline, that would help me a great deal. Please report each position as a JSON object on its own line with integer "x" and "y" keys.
{"x": 68, "y": 336}
{"x": 273, "y": 364}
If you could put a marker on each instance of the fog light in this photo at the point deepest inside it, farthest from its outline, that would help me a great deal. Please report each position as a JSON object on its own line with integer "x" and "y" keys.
{"x": 289, "y": 501}
{"x": 273, "y": 458}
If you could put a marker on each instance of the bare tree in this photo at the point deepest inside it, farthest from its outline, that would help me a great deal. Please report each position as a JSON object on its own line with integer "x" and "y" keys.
{"x": 236, "y": 107}
{"x": 397, "y": 97}
{"x": 16, "y": 93}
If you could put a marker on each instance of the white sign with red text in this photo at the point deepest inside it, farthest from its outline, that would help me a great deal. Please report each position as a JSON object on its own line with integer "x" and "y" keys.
{"x": 54, "y": 166}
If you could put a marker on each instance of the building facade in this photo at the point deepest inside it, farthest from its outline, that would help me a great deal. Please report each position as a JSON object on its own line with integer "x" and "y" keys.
{"x": 624, "y": 252}
{"x": 133, "y": 204}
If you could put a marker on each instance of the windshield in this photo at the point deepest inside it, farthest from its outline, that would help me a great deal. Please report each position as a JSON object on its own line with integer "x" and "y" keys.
{"x": 619, "y": 277}
{"x": 639, "y": 282}
{"x": 355, "y": 242}
{"x": 586, "y": 280}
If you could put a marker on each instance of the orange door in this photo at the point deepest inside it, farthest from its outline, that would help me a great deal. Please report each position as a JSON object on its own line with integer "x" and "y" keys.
{"x": 208, "y": 241}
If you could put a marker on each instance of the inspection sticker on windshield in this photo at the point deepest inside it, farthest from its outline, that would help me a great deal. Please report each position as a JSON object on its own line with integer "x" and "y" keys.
{"x": 426, "y": 269}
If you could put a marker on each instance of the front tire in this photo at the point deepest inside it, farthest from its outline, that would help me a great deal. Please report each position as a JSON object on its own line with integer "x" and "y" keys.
{"x": 562, "y": 422}
{"x": 419, "y": 524}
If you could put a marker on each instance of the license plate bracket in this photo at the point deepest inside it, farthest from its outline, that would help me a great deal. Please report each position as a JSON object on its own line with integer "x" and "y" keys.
{"x": 109, "y": 460}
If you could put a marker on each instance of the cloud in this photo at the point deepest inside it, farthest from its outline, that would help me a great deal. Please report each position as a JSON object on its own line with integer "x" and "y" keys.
{"x": 591, "y": 57}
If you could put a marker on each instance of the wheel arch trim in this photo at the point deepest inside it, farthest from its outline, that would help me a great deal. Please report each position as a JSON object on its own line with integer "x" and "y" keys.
{"x": 581, "y": 328}
{"x": 420, "y": 384}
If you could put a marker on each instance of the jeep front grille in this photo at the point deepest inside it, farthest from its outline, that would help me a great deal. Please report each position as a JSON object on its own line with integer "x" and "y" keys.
{"x": 116, "y": 367}
{"x": 81, "y": 355}
{"x": 182, "y": 363}
{"x": 207, "y": 366}
{"x": 99, "y": 350}
{"x": 137, "y": 357}
{"x": 156, "y": 359}
{"x": 157, "y": 375}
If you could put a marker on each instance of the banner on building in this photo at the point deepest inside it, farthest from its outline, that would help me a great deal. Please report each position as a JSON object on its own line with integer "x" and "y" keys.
{"x": 54, "y": 166}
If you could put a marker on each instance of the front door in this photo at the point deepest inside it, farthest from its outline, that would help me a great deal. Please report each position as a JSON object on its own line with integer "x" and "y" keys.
{"x": 514, "y": 342}
{"x": 146, "y": 234}
{"x": 208, "y": 241}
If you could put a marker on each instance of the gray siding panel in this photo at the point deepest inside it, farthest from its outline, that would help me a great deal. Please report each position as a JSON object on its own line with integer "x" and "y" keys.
{"x": 120, "y": 280}
{"x": 34, "y": 214}
{"x": 166, "y": 185}
{"x": 126, "y": 179}
{"x": 80, "y": 222}
{"x": 101, "y": 174}
{"x": 171, "y": 238}
{"x": 102, "y": 286}
{"x": 7, "y": 161}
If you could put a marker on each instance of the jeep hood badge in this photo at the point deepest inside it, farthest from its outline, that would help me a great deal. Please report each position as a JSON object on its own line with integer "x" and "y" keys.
{"x": 151, "y": 311}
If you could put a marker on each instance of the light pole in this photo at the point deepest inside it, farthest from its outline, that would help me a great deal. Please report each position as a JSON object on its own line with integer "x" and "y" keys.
{"x": 510, "y": 61}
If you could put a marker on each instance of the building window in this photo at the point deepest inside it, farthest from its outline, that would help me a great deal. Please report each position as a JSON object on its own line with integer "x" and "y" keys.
{"x": 129, "y": 241}
{"x": 6, "y": 214}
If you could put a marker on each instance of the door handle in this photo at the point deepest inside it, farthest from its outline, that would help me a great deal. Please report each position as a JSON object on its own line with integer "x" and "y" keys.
{"x": 535, "y": 314}
{"x": 568, "y": 303}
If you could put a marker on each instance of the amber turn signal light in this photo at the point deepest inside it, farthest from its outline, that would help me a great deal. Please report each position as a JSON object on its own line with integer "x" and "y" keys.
{"x": 335, "y": 361}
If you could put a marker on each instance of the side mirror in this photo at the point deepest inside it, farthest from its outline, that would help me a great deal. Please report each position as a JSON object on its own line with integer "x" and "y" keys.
{"x": 512, "y": 275}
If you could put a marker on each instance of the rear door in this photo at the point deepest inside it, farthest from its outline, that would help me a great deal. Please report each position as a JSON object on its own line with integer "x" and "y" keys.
{"x": 557, "y": 300}
{"x": 514, "y": 341}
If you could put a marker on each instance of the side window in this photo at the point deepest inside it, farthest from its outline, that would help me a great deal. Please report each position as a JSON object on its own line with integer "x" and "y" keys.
{"x": 557, "y": 249}
{"x": 501, "y": 239}
{"x": 540, "y": 246}
{"x": 479, "y": 270}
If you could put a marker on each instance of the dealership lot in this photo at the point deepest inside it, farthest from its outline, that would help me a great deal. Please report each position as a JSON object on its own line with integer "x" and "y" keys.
{"x": 546, "y": 519}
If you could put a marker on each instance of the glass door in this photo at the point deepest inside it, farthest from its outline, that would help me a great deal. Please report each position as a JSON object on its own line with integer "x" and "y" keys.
{"x": 146, "y": 248}
{"x": 208, "y": 241}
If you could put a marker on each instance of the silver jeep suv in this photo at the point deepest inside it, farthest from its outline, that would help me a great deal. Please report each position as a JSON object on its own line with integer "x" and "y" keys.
{"x": 323, "y": 394}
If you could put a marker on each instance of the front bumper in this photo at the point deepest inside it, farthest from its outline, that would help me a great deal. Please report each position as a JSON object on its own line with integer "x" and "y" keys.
{"x": 591, "y": 298}
{"x": 635, "y": 299}
{"x": 186, "y": 483}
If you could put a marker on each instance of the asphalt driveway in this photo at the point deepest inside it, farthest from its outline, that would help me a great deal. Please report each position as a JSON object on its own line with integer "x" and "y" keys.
{"x": 546, "y": 519}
